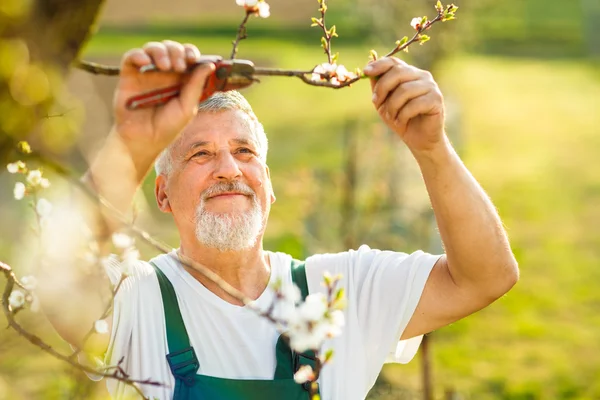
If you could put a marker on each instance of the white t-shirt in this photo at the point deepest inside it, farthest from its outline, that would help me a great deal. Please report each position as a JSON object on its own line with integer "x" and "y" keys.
{"x": 382, "y": 290}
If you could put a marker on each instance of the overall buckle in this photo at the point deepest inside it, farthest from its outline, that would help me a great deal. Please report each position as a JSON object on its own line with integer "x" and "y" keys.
{"x": 184, "y": 365}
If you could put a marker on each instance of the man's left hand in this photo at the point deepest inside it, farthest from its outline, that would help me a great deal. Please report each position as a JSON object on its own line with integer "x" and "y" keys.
{"x": 409, "y": 102}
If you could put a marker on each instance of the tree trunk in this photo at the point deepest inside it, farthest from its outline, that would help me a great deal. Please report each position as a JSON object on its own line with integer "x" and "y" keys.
{"x": 39, "y": 39}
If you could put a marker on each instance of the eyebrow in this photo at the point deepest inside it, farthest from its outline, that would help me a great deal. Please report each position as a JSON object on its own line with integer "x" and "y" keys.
{"x": 244, "y": 142}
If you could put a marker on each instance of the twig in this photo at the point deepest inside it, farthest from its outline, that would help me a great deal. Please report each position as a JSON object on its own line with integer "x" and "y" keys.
{"x": 327, "y": 34}
{"x": 417, "y": 36}
{"x": 35, "y": 340}
{"x": 241, "y": 35}
{"x": 97, "y": 69}
{"x": 104, "y": 315}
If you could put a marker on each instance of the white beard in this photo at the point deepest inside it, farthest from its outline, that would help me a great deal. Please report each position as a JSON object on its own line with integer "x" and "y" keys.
{"x": 228, "y": 231}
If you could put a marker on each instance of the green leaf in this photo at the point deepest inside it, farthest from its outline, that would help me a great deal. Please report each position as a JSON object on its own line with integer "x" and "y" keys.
{"x": 334, "y": 58}
{"x": 316, "y": 22}
{"x": 339, "y": 294}
{"x": 423, "y": 39}
{"x": 328, "y": 356}
{"x": 373, "y": 55}
{"x": 327, "y": 278}
{"x": 332, "y": 32}
{"x": 324, "y": 42}
{"x": 402, "y": 41}
{"x": 452, "y": 8}
{"x": 439, "y": 6}
{"x": 423, "y": 21}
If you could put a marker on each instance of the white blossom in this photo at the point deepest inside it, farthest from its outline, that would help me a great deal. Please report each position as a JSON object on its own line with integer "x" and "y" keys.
{"x": 304, "y": 374}
{"x": 257, "y": 7}
{"x": 43, "y": 207}
{"x": 291, "y": 293}
{"x": 335, "y": 73}
{"x": 310, "y": 324}
{"x": 16, "y": 299}
{"x": 34, "y": 178}
{"x": 314, "y": 307}
{"x": 101, "y": 326}
{"x": 264, "y": 10}
{"x": 44, "y": 183}
{"x": 29, "y": 282}
{"x": 416, "y": 23}
{"x": 15, "y": 167}
{"x": 19, "y": 191}
{"x": 336, "y": 323}
{"x": 129, "y": 257}
{"x": 122, "y": 240}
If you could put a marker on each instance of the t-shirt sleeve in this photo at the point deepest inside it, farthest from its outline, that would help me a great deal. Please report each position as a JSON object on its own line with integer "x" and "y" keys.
{"x": 383, "y": 289}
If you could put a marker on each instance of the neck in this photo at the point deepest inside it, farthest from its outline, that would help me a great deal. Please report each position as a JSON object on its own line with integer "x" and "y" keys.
{"x": 248, "y": 270}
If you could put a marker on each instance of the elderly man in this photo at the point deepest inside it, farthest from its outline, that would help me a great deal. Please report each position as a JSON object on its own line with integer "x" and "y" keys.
{"x": 172, "y": 324}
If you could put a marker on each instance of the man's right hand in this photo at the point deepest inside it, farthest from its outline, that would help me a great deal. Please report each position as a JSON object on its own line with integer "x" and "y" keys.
{"x": 150, "y": 130}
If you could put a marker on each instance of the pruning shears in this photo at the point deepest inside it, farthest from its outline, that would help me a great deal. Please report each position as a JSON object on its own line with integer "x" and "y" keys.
{"x": 228, "y": 75}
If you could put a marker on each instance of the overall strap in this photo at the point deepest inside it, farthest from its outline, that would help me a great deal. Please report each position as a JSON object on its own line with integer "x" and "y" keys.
{"x": 182, "y": 358}
{"x": 299, "y": 278}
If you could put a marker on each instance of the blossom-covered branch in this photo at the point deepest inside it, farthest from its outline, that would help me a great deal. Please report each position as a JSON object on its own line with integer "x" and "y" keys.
{"x": 11, "y": 305}
{"x": 329, "y": 74}
{"x": 422, "y": 24}
{"x": 252, "y": 7}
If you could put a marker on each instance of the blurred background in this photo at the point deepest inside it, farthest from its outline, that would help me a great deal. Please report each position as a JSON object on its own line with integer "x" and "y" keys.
{"x": 521, "y": 81}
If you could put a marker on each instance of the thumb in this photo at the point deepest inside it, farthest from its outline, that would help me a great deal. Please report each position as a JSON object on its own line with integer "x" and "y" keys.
{"x": 192, "y": 89}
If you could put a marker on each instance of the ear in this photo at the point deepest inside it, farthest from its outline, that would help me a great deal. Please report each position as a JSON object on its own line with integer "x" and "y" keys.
{"x": 273, "y": 198}
{"x": 160, "y": 192}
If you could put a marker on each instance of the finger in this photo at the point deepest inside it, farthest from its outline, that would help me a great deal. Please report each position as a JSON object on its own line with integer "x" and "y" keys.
{"x": 380, "y": 66}
{"x": 134, "y": 59}
{"x": 176, "y": 53}
{"x": 389, "y": 81}
{"x": 423, "y": 105}
{"x": 159, "y": 55}
{"x": 192, "y": 54}
{"x": 402, "y": 95}
{"x": 192, "y": 89}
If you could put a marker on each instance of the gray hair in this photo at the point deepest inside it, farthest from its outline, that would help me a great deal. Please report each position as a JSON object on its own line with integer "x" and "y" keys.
{"x": 220, "y": 101}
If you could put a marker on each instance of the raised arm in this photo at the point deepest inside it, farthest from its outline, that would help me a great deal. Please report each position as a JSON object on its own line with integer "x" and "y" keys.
{"x": 478, "y": 266}
{"x": 136, "y": 139}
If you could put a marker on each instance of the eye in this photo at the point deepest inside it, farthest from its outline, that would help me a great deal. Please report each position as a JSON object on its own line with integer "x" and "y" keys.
{"x": 201, "y": 153}
{"x": 245, "y": 150}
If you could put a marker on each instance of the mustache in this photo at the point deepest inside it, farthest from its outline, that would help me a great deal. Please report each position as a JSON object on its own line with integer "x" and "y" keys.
{"x": 225, "y": 187}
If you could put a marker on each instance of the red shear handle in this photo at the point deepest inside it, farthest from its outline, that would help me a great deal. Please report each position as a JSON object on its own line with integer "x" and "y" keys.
{"x": 215, "y": 82}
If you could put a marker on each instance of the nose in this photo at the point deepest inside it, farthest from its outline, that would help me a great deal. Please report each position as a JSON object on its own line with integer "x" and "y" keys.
{"x": 226, "y": 168}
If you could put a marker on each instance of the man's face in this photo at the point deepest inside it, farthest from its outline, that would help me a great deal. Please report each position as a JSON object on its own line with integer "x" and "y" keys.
{"x": 218, "y": 185}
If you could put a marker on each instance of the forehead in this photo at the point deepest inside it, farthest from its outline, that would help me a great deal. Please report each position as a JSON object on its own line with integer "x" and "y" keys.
{"x": 217, "y": 128}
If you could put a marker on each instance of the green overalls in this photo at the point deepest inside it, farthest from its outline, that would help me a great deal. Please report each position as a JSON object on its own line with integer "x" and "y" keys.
{"x": 184, "y": 364}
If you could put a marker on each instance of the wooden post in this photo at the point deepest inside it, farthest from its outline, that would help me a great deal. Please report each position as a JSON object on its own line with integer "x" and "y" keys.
{"x": 426, "y": 368}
